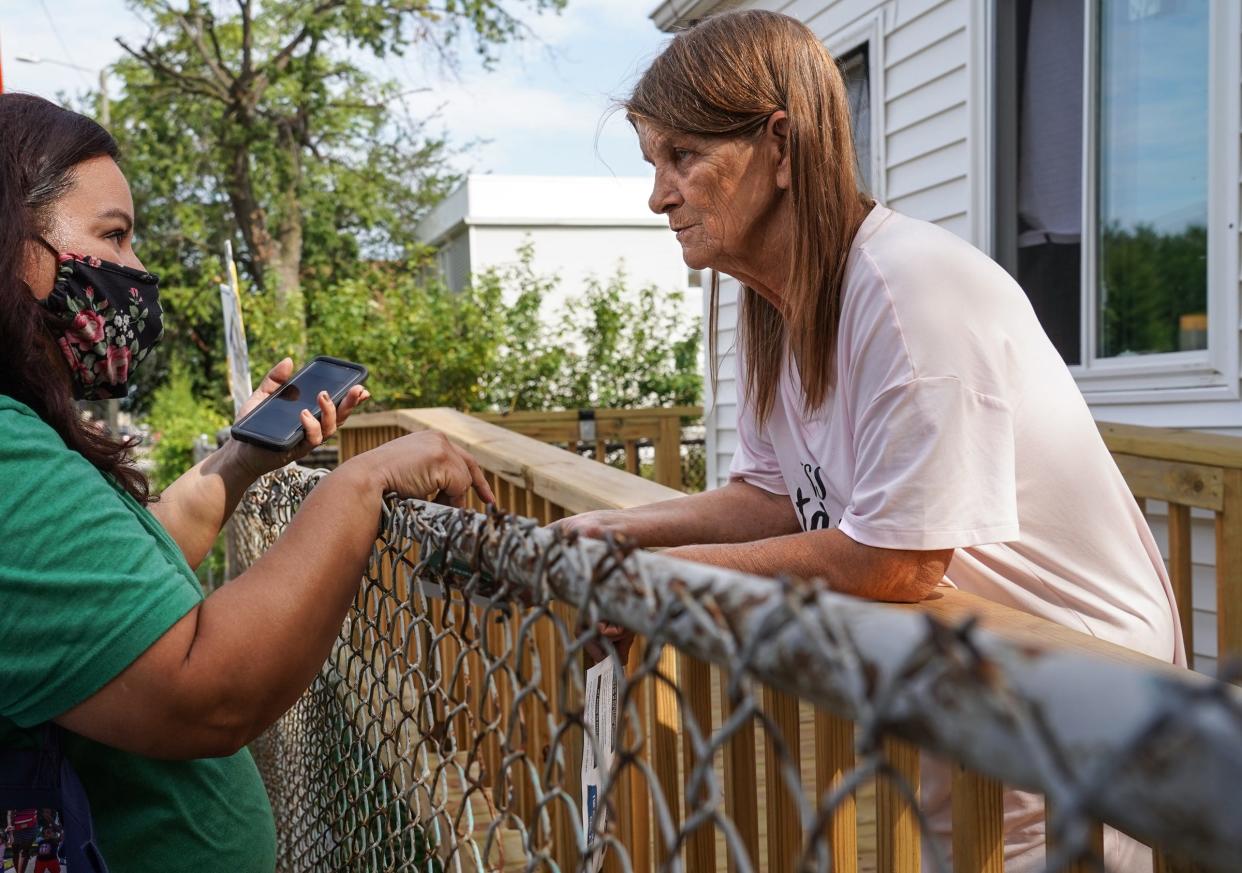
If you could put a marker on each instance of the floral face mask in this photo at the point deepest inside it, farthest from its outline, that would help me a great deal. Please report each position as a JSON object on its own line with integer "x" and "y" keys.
{"x": 107, "y": 318}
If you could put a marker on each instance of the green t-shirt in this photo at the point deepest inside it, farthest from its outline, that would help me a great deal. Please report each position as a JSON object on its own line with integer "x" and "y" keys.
{"x": 88, "y": 581}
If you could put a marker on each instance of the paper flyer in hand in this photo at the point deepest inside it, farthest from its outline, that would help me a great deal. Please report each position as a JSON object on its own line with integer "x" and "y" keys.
{"x": 601, "y": 715}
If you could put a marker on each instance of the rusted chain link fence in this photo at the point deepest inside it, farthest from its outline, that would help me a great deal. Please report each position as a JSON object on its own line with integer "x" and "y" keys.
{"x": 447, "y": 729}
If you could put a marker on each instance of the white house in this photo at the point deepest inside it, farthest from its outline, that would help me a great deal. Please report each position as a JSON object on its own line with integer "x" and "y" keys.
{"x": 1089, "y": 146}
{"x": 579, "y": 226}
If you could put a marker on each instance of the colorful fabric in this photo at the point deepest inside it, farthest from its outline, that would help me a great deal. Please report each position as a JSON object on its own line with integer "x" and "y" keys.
{"x": 108, "y": 319}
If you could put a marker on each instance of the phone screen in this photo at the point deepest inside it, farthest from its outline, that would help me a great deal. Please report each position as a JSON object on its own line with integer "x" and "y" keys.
{"x": 280, "y": 415}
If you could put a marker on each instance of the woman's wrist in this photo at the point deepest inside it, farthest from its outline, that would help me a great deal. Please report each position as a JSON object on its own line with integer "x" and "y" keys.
{"x": 249, "y": 463}
{"x": 360, "y": 476}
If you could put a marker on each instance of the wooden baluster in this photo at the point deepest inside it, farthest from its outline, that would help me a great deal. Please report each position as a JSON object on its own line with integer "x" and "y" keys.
{"x": 1181, "y": 572}
{"x": 665, "y": 719}
{"x": 1229, "y": 567}
{"x": 978, "y": 823}
{"x": 568, "y": 822}
{"x": 631, "y": 457}
{"x": 542, "y": 715}
{"x": 668, "y": 453}
{"x": 601, "y": 451}
{"x": 695, "y": 683}
{"x": 524, "y": 710}
{"x": 631, "y": 821}
{"x": 504, "y": 494}
{"x": 834, "y": 759}
{"x": 345, "y": 448}
{"x": 1095, "y": 843}
{"x": 897, "y": 829}
{"x": 642, "y": 826}
{"x": 740, "y": 783}
{"x": 536, "y": 507}
{"x": 784, "y": 829}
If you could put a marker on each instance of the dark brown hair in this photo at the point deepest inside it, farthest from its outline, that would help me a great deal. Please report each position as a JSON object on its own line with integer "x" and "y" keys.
{"x": 724, "y": 77}
{"x": 40, "y": 145}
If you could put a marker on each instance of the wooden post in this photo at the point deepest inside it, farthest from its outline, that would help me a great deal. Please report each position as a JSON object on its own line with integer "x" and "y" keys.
{"x": 784, "y": 827}
{"x": 741, "y": 790}
{"x": 897, "y": 828}
{"x": 1229, "y": 568}
{"x": 665, "y": 720}
{"x": 1181, "y": 571}
{"x": 978, "y": 823}
{"x": 631, "y": 457}
{"x": 834, "y": 759}
{"x": 640, "y": 798}
{"x": 668, "y": 453}
{"x": 695, "y": 683}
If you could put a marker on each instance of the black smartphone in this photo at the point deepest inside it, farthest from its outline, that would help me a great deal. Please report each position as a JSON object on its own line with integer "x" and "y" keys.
{"x": 276, "y": 423}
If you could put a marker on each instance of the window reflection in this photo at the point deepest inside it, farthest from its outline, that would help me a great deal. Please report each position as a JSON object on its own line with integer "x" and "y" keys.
{"x": 1152, "y": 176}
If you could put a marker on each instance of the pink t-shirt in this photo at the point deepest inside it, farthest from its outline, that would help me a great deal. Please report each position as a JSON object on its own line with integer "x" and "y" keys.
{"x": 954, "y": 423}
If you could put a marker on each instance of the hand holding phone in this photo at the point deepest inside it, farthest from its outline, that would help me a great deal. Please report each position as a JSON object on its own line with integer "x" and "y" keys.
{"x": 276, "y": 423}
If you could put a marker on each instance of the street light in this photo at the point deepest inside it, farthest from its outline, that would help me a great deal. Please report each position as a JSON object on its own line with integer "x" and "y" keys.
{"x": 105, "y": 115}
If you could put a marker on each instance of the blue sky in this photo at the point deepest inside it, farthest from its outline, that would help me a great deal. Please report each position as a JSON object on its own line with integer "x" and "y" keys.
{"x": 539, "y": 109}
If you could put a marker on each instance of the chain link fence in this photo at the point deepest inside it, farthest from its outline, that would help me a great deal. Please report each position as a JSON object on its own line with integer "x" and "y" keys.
{"x": 448, "y": 729}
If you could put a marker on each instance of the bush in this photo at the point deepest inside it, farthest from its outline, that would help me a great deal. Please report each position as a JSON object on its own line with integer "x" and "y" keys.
{"x": 176, "y": 419}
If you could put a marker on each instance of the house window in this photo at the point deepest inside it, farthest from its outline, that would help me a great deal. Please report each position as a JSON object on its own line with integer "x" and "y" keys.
{"x": 856, "y": 70}
{"x": 1135, "y": 283}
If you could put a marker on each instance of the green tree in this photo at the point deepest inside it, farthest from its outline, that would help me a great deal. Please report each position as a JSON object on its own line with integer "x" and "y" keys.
{"x": 176, "y": 419}
{"x": 262, "y": 122}
{"x": 491, "y": 347}
{"x": 611, "y": 347}
{"x": 1149, "y": 280}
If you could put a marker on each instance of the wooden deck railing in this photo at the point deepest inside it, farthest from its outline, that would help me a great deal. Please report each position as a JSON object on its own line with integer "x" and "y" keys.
{"x": 1191, "y": 470}
{"x": 546, "y": 483}
{"x": 659, "y": 427}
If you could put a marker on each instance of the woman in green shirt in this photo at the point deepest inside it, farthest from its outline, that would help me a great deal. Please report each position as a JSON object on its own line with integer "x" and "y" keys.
{"x": 103, "y": 627}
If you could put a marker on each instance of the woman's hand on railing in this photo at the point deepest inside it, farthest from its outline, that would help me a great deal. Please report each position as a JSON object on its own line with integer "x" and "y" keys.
{"x": 595, "y": 525}
{"x": 424, "y": 465}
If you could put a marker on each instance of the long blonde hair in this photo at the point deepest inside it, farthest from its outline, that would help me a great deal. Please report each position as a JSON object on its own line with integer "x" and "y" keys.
{"x": 724, "y": 77}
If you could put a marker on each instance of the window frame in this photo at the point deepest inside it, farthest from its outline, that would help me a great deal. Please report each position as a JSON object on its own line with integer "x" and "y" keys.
{"x": 1210, "y": 374}
{"x": 868, "y": 31}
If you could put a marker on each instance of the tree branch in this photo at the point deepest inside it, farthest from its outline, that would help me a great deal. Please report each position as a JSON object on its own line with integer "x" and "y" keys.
{"x": 195, "y": 35}
{"x": 190, "y": 84}
{"x": 247, "y": 38}
{"x": 281, "y": 59}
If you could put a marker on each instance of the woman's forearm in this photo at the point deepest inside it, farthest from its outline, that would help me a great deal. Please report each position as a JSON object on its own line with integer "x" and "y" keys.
{"x": 271, "y": 629}
{"x": 738, "y": 512}
{"x": 194, "y": 508}
{"x": 847, "y": 566}
{"x": 230, "y": 667}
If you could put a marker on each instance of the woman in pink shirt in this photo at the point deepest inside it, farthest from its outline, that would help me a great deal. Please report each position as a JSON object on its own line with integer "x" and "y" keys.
{"x": 903, "y": 420}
